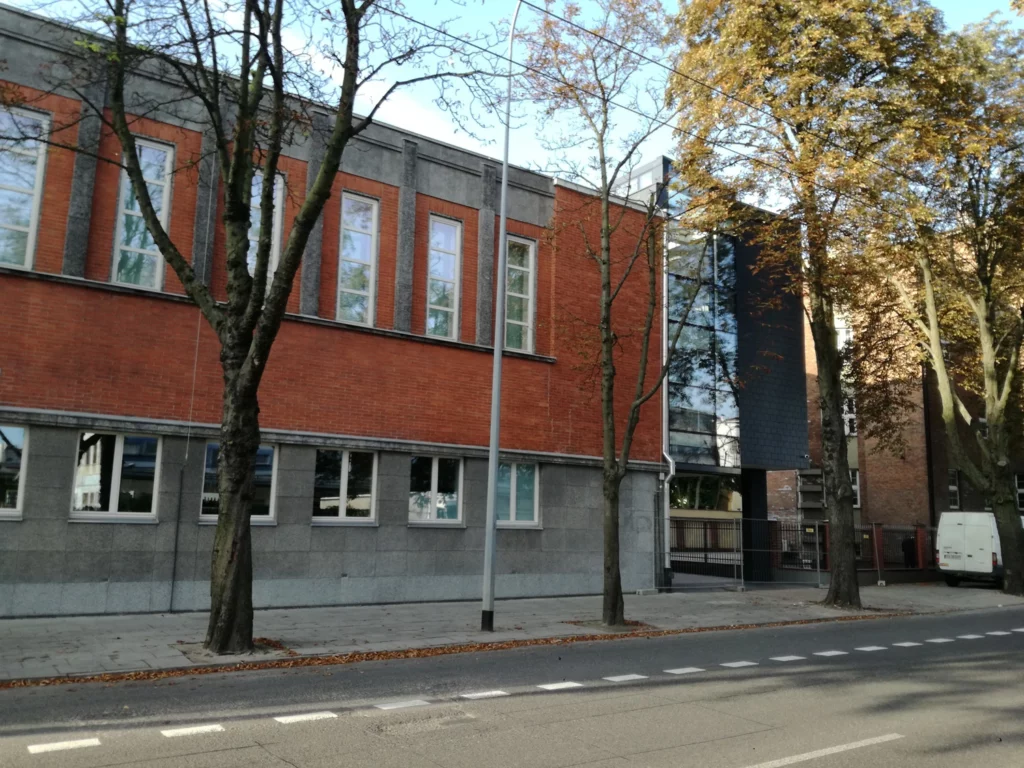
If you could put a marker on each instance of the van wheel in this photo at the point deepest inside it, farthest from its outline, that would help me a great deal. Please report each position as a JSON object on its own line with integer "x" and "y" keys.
{"x": 953, "y": 581}
{"x": 999, "y": 584}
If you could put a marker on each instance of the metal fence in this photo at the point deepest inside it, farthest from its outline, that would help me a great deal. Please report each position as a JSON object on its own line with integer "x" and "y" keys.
{"x": 709, "y": 553}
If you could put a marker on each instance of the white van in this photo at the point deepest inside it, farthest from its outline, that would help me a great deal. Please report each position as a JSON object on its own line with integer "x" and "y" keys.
{"x": 967, "y": 547}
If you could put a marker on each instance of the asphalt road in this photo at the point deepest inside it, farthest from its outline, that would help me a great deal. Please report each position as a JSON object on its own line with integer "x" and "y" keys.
{"x": 871, "y": 701}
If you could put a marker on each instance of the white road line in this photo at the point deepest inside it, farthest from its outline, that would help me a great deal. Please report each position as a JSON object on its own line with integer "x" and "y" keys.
{"x": 826, "y": 752}
{"x": 683, "y": 671}
{"x": 560, "y": 686}
{"x": 970, "y": 637}
{"x": 286, "y": 719}
{"x": 997, "y": 634}
{"x": 788, "y": 658}
{"x": 624, "y": 678}
{"x": 939, "y": 640}
{"x": 831, "y": 653}
{"x": 403, "y": 704}
{"x": 870, "y": 648}
{"x": 906, "y": 645}
{"x": 193, "y": 730}
{"x": 58, "y": 746}
{"x": 484, "y": 694}
{"x": 738, "y": 664}
{"x": 1019, "y": 629}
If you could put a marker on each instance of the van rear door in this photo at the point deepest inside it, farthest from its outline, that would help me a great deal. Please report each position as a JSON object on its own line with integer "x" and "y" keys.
{"x": 951, "y": 542}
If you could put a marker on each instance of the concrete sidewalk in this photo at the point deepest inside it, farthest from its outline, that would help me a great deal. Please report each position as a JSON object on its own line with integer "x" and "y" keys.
{"x": 49, "y": 647}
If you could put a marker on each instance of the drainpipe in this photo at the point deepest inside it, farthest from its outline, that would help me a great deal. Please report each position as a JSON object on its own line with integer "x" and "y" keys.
{"x": 667, "y": 482}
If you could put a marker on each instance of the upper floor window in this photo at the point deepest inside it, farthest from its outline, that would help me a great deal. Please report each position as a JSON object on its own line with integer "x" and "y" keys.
{"x": 954, "y": 489}
{"x": 855, "y": 483}
{"x": 1020, "y": 491}
{"x": 519, "y": 293}
{"x": 255, "y": 221}
{"x": 343, "y": 486}
{"x": 517, "y": 494}
{"x": 116, "y": 476}
{"x": 357, "y": 260}
{"x": 138, "y": 260}
{"x": 12, "y": 470}
{"x": 443, "y": 278}
{"x": 22, "y": 153}
{"x": 264, "y": 485}
{"x": 435, "y": 486}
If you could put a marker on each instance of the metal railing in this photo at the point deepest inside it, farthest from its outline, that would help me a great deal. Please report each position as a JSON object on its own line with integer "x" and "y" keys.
{"x": 709, "y": 553}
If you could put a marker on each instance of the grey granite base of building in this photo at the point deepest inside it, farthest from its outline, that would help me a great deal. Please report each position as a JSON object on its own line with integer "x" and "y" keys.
{"x": 50, "y": 565}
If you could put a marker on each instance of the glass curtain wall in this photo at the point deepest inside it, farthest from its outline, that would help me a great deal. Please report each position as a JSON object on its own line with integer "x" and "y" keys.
{"x": 704, "y": 426}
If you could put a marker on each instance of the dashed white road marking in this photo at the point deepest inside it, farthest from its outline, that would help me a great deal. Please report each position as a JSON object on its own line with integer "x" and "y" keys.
{"x": 738, "y": 664}
{"x": 58, "y": 746}
{"x": 560, "y": 686}
{"x": 788, "y": 658}
{"x": 970, "y": 637}
{"x": 287, "y": 719}
{"x": 871, "y": 648}
{"x": 683, "y": 671}
{"x": 402, "y": 704}
{"x": 906, "y": 645}
{"x": 826, "y": 752}
{"x": 484, "y": 694}
{"x": 624, "y": 678}
{"x": 192, "y": 730}
{"x": 1019, "y": 629}
{"x": 998, "y": 633}
{"x": 939, "y": 640}
{"x": 831, "y": 653}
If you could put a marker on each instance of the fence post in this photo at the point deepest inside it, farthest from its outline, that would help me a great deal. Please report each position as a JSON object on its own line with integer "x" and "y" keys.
{"x": 922, "y": 548}
{"x": 878, "y": 546}
{"x": 739, "y": 525}
{"x": 817, "y": 551}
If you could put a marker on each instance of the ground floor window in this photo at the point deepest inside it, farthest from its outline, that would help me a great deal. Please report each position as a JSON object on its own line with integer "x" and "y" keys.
{"x": 12, "y": 469}
{"x": 115, "y": 475}
{"x": 435, "y": 485}
{"x": 517, "y": 494}
{"x": 263, "y": 486}
{"x": 855, "y": 482}
{"x": 343, "y": 486}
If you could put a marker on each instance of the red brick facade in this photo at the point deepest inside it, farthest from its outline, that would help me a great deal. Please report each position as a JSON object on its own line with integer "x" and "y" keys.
{"x": 83, "y": 345}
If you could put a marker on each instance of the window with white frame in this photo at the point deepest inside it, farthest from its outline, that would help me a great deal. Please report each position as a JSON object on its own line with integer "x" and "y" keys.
{"x": 255, "y": 221}
{"x": 357, "y": 261}
{"x": 12, "y": 470}
{"x": 444, "y": 266}
{"x": 137, "y": 260}
{"x": 517, "y": 494}
{"x": 435, "y": 488}
{"x": 855, "y": 482}
{"x": 1020, "y": 491}
{"x": 264, "y": 485}
{"x": 22, "y": 156}
{"x": 954, "y": 489}
{"x": 343, "y": 486}
{"x": 519, "y": 294}
{"x": 116, "y": 476}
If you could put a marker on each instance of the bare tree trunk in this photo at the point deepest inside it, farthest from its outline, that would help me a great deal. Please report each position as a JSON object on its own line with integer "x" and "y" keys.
{"x": 1011, "y": 533}
{"x": 230, "y": 625}
{"x": 843, "y": 591}
{"x": 613, "y": 612}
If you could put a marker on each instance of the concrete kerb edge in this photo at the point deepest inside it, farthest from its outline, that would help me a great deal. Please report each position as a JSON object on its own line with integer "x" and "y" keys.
{"x": 353, "y": 657}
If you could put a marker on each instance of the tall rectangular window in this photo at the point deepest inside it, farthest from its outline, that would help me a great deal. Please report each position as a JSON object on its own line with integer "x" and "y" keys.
{"x": 855, "y": 482}
{"x": 343, "y": 487}
{"x": 954, "y": 489}
{"x": 116, "y": 476}
{"x": 263, "y": 487}
{"x": 255, "y": 222}
{"x": 137, "y": 260}
{"x": 1020, "y": 491}
{"x": 22, "y": 155}
{"x": 517, "y": 494}
{"x": 358, "y": 259}
{"x": 444, "y": 266}
{"x": 519, "y": 292}
{"x": 435, "y": 486}
{"x": 12, "y": 470}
